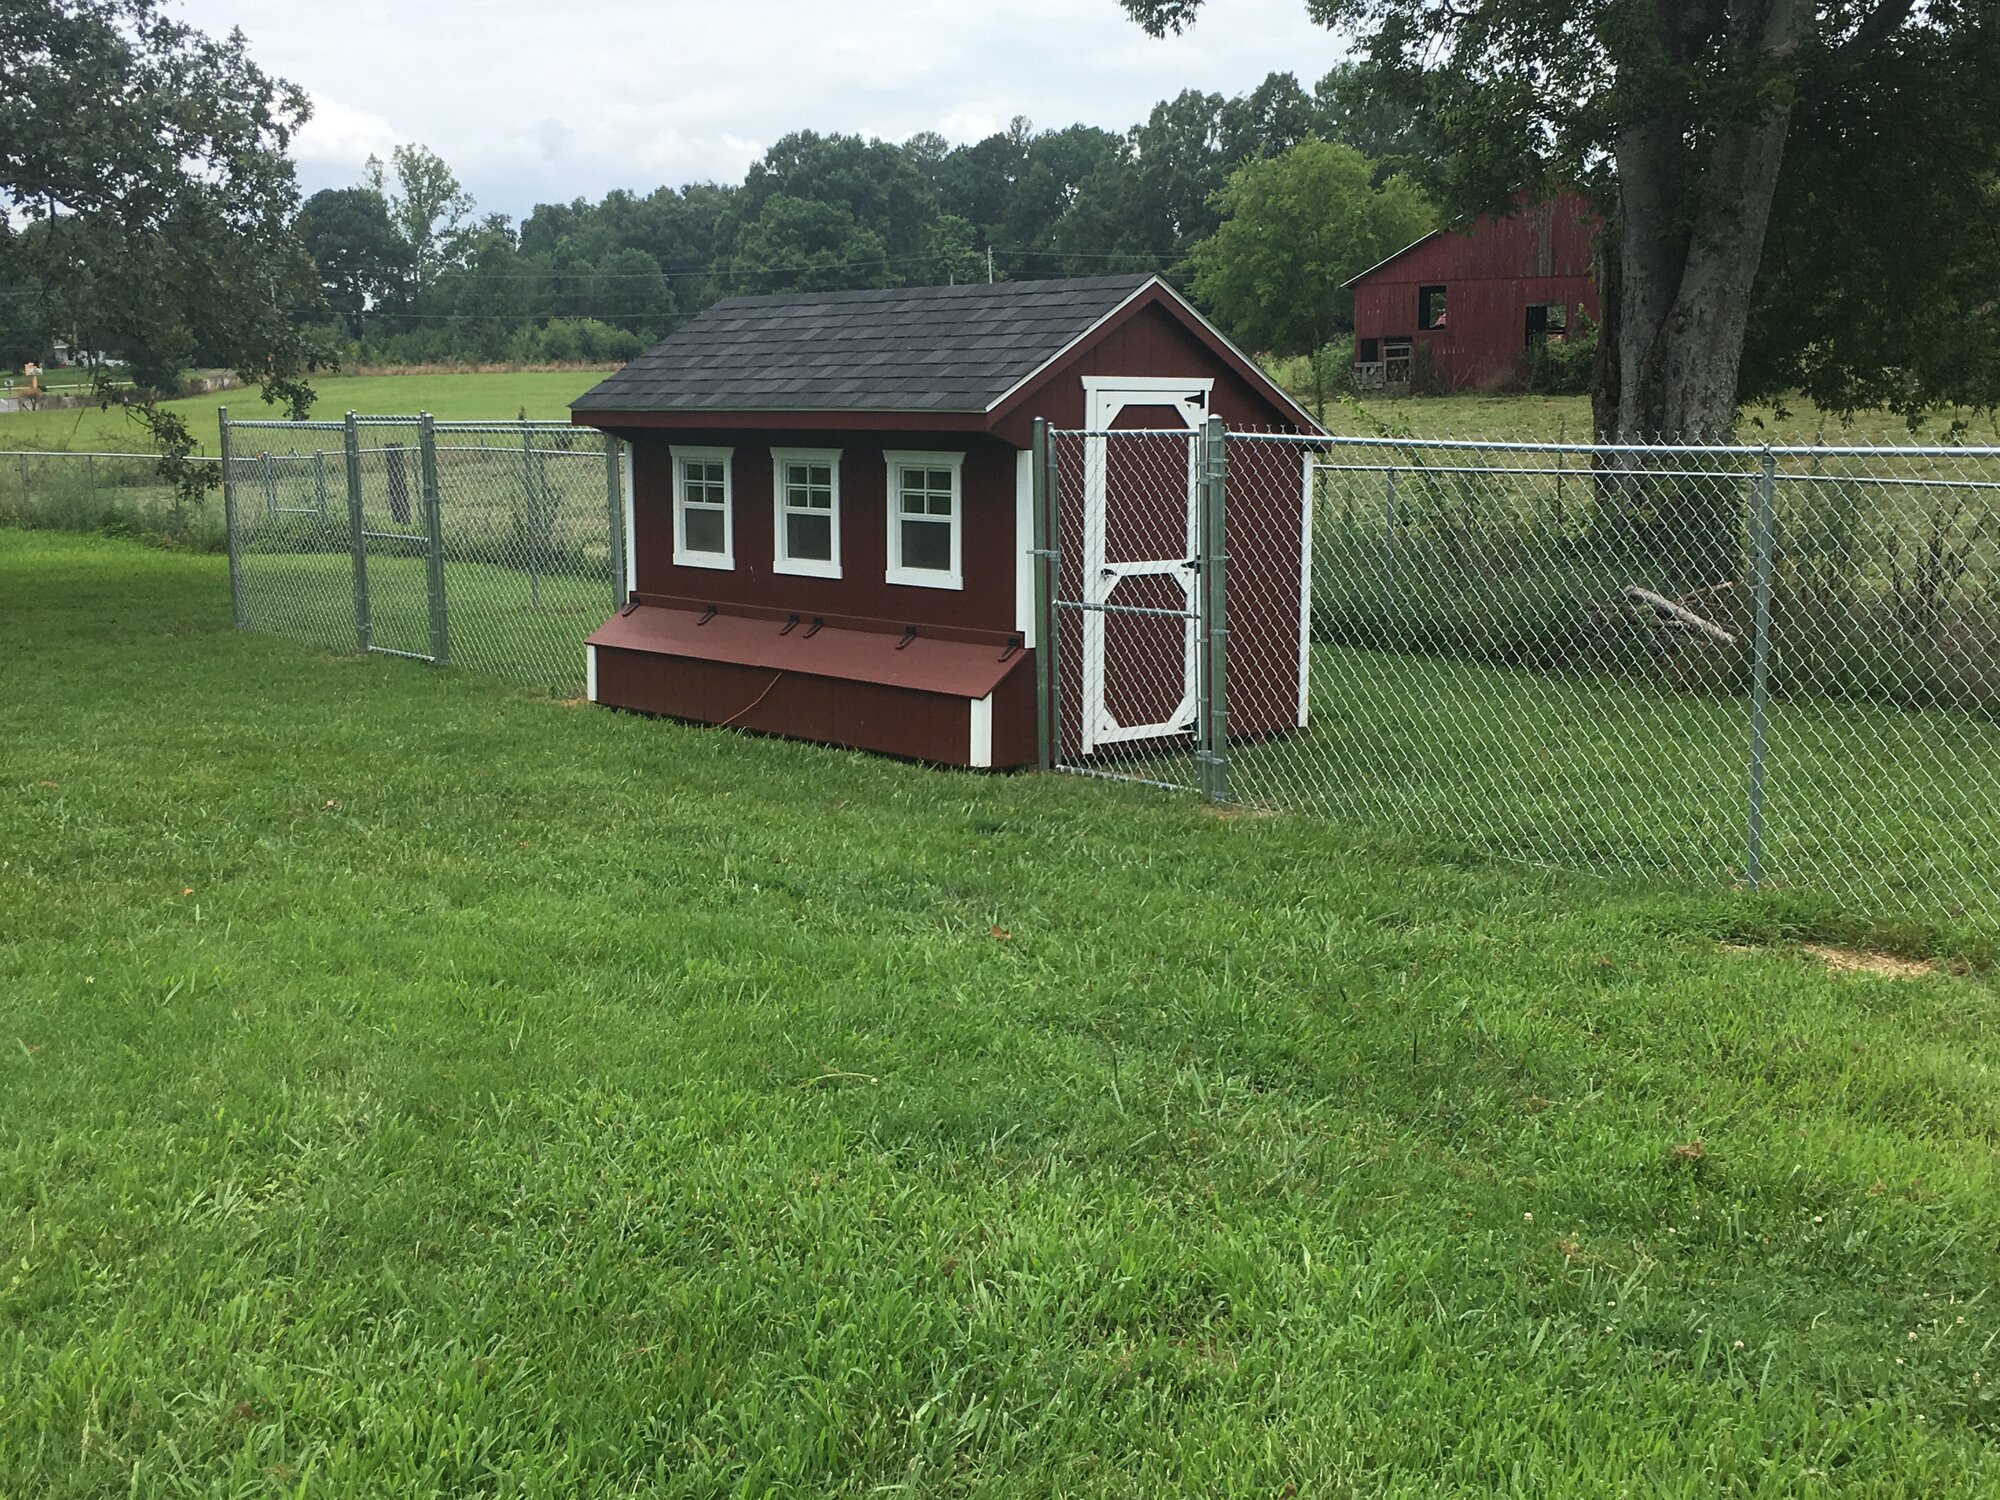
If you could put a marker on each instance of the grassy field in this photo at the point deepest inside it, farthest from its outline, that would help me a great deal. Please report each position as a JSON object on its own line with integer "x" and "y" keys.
{"x": 545, "y": 395}
{"x": 411, "y": 1087}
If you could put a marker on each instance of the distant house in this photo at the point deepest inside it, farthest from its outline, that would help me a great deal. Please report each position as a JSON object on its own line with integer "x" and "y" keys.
{"x": 1463, "y": 309}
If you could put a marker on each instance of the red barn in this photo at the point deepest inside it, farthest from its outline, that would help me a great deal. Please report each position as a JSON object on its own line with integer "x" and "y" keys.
{"x": 1464, "y": 309}
{"x": 829, "y": 514}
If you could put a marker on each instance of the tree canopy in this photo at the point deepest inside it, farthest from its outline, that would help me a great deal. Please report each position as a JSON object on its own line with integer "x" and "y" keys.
{"x": 1294, "y": 229}
{"x": 1681, "y": 120}
{"x": 147, "y": 203}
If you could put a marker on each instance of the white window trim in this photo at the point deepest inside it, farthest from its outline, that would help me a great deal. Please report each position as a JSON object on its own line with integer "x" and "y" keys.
{"x": 805, "y": 567}
{"x": 925, "y": 578}
{"x": 684, "y": 556}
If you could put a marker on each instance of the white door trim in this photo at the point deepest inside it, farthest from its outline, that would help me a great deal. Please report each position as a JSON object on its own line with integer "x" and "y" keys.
{"x": 1105, "y": 396}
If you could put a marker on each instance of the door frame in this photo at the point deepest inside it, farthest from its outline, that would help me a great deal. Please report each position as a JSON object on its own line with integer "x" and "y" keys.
{"x": 1105, "y": 397}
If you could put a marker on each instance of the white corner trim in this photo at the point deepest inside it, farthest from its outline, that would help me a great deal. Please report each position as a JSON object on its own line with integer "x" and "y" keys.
{"x": 631, "y": 534}
{"x": 982, "y": 733}
{"x": 809, "y": 567}
{"x": 893, "y": 569}
{"x": 1024, "y": 546}
{"x": 684, "y": 556}
{"x": 590, "y": 673}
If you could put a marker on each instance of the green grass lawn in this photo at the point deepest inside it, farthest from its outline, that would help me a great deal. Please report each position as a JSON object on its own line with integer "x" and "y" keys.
{"x": 457, "y": 397}
{"x": 412, "y": 1087}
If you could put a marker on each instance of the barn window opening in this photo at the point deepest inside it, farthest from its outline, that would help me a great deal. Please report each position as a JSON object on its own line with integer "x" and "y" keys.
{"x": 1369, "y": 351}
{"x": 925, "y": 507}
{"x": 806, "y": 486}
{"x": 1430, "y": 307}
{"x": 1396, "y": 362}
{"x": 703, "y": 534}
{"x": 1547, "y": 322}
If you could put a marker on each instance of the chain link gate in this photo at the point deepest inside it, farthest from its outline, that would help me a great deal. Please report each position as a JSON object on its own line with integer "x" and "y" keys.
{"x": 493, "y": 545}
{"x": 1130, "y": 597}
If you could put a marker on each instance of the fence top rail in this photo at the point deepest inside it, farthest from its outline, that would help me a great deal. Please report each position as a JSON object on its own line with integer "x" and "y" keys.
{"x": 1495, "y": 445}
{"x": 494, "y": 424}
{"x": 199, "y": 458}
{"x": 1711, "y": 450}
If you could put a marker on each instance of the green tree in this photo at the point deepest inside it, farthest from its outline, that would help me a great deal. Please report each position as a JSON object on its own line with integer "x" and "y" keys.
{"x": 1294, "y": 228}
{"x": 872, "y": 182}
{"x": 149, "y": 203}
{"x": 428, "y": 207}
{"x": 949, "y": 256}
{"x": 1679, "y": 117}
{"x": 348, "y": 234}
{"x": 794, "y": 245}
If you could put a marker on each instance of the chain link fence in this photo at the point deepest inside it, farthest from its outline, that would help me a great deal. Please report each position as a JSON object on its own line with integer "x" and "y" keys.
{"x": 103, "y": 492}
{"x": 497, "y": 546}
{"x": 1774, "y": 666}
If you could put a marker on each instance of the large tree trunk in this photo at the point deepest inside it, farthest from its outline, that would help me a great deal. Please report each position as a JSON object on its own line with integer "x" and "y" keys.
{"x": 1681, "y": 257}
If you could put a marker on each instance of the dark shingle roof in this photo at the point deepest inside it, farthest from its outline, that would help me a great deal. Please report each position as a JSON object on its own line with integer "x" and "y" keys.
{"x": 930, "y": 348}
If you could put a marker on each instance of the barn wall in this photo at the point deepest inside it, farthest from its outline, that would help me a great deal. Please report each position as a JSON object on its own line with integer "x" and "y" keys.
{"x": 1493, "y": 273}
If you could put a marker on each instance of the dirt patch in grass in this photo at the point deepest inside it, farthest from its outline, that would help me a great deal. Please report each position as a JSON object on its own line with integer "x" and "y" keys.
{"x": 1882, "y": 965}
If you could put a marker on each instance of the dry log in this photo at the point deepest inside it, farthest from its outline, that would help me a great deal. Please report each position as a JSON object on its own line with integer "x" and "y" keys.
{"x": 1679, "y": 613}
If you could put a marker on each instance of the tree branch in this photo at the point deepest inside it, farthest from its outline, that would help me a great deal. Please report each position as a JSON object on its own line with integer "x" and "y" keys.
{"x": 1877, "y": 28}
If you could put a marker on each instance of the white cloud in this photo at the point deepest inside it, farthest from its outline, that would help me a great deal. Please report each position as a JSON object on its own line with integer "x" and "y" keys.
{"x": 529, "y": 103}
{"x": 339, "y": 136}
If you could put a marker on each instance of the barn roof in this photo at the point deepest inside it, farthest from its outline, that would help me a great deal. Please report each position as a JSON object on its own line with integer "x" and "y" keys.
{"x": 935, "y": 348}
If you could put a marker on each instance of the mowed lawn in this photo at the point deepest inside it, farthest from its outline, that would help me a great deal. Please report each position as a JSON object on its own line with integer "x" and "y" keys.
{"x": 408, "y": 1087}
{"x": 464, "y": 396}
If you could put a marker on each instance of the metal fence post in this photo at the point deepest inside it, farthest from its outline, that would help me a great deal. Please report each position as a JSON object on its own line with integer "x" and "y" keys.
{"x": 1213, "y": 618}
{"x": 364, "y": 627}
{"x": 1048, "y": 588}
{"x": 529, "y": 516}
{"x": 614, "y": 512}
{"x": 1035, "y": 542}
{"x": 1763, "y": 542}
{"x": 319, "y": 480}
{"x": 229, "y": 521}
{"x": 434, "y": 537}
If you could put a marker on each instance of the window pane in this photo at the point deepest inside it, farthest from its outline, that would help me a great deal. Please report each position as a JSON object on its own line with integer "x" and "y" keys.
{"x": 941, "y": 504}
{"x": 820, "y": 475}
{"x": 704, "y": 530}
{"x": 927, "y": 544}
{"x": 809, "y": 538}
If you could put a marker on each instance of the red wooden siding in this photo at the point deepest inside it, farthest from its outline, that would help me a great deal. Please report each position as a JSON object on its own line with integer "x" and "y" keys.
{"x": 885, "y": 701}
{"x": 1492, "y": 274}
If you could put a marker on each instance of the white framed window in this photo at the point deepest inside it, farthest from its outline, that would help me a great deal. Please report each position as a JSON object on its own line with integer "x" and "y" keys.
{"x": 704, "y": 532}
{"x": 926, "y": 508}
{"x": 805, "y": 496}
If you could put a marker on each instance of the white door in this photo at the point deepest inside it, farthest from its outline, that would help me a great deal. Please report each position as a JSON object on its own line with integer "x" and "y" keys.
{"x": 1139, "y": 581}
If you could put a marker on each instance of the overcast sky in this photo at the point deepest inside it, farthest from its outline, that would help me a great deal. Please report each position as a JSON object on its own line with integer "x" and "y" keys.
{"x": 531, "y": 102}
